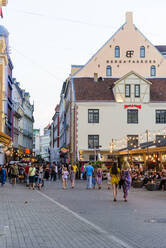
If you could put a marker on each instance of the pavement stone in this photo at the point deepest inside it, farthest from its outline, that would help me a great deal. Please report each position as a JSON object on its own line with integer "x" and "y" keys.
{"x": 42, "y": 223}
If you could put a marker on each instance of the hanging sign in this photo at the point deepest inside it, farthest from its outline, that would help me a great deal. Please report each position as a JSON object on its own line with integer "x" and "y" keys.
{"x": 132, "y": 106}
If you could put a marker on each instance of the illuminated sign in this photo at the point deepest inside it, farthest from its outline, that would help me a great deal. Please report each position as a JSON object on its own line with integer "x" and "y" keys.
{"x": 132, "y": 106}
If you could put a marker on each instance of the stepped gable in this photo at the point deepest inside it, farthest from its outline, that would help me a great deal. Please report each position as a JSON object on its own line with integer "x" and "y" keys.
{"x": 86, "y": 89}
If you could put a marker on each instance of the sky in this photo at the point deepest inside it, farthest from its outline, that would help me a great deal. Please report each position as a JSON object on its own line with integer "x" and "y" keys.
{"x": 47, "y": 37}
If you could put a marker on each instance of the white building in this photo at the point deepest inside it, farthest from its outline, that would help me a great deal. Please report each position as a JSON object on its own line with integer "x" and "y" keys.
{"x": 36, "y": 141}
{"x": 45, "y": 144}
{"x": 117, "y": 96}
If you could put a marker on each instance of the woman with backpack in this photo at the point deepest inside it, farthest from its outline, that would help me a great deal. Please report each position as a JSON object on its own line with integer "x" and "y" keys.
{"x": 115, "y": 177}
{"x": 99, "y": 175}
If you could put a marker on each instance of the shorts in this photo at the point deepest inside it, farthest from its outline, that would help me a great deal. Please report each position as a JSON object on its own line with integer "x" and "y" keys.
{"x": 32, "y": 179}
{"x": 14, "y": 176}
{"x": 40, "y": 181}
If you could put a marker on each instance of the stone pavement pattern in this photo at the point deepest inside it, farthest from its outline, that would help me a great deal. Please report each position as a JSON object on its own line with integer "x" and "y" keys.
{"x": 42, "y": 223}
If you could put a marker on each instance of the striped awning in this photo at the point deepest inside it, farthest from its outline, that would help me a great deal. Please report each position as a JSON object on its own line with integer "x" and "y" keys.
{"x": 4, "y": 138}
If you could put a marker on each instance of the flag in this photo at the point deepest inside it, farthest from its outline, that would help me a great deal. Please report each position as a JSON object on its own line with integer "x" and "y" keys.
{"x": 1, "y": 13}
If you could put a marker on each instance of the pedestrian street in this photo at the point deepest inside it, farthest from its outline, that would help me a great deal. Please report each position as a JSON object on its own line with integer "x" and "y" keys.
{"x": 54, "y": 217}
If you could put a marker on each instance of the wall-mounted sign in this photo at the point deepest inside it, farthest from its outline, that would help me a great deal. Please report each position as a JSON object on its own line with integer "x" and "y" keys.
{"x": 27, "y": 151}
{"x": 129, "y": 53}
{"x": 132, "y": 106}
{"x": 64, "y": 150}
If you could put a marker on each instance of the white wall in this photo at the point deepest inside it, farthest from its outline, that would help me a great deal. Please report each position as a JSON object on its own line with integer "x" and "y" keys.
{"x": 113, "y": 122}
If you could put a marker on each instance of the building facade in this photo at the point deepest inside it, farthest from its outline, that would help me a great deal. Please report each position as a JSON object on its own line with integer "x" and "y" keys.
{"x": 54, "y": 146}
{"x": 45, "y": 144}
{"x": 36, "y": 141}
{"x": 118, "y": 98}
{"x": 28, "y": 121}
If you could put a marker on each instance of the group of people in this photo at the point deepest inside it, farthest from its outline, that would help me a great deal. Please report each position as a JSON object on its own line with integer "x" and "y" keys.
{"x": 115, "y": 177}
{"x": 146, "y": 177}
{"x": 34, "y": 174}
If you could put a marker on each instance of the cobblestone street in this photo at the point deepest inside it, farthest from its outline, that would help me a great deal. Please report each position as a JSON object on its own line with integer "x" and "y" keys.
{"x": 77, "y": 217}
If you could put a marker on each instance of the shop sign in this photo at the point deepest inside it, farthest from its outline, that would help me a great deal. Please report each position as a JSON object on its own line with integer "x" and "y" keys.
{"x": 132, "y": 106}
{"x": 64, "y": 150}
{"x": 27, "y": 151}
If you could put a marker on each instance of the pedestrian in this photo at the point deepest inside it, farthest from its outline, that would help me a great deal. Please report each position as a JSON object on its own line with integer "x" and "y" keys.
{"x": 47, "y": 173}
{"x": 40, "y": 177}
{"x": 14, "y": 173}
{"x": 108, "y": 179}
{"x": 27, "y": 175}
{"x": 126, "y": 179}
{"x": 99, "y": 177}
{"x": 115, "y": 177}
{"x": 32, "y": 173}
{"x": 94, "y": 175}
{"x": 75, "y": 168}
{"x": 82, "y": 171}
{"x": 72, "y": 177}
{"x": 89, "y": 171}
{"x": 65, "y": 174}
{"x": 53, "y": 173}
{"x": 3, "y": 175}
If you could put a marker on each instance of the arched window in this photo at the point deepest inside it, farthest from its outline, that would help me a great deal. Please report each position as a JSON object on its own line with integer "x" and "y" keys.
{"x": 142, "y": 52}
{"x": 153, "y": 71}
{"x": 108, "y": 71}
{"x": 117, "y": 52}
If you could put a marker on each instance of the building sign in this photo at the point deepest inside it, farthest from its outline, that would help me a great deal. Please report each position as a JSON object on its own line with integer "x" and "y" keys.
{"x": 132, "y": 61}
{"x": 129, "y": 53}
{"x": 64, "y": 150}
{"x": 27, "y": 151}
{"x": 132, "y": 106}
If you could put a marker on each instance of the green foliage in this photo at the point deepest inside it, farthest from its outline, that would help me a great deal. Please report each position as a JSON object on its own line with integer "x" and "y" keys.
{"x": 97, "y": 164}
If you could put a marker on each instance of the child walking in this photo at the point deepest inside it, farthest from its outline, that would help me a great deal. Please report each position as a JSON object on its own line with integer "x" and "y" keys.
{"x": 65, "y": 174}
{"x": 99, "y": 177}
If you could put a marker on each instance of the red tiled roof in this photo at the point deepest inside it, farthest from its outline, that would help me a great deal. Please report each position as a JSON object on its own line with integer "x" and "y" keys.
{"x": 157, "y": 89}
{"x": 86, "y": 89}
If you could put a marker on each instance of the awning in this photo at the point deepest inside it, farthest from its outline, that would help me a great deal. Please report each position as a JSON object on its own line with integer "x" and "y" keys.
{"x": 4, "y": 138}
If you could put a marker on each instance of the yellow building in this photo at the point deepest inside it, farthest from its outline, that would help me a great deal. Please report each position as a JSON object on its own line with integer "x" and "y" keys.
{"x": 5, "y": 140}
{"x": 3, "y": 2}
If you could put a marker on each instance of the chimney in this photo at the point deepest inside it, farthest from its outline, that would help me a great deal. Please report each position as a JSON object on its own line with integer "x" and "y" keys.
{"x": 95, "y": 77}
{"x": 129, "y": 18}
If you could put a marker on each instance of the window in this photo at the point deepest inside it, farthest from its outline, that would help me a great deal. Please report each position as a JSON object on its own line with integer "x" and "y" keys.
{"x": 93, "y": 141}
{"x": 142, "y": 52}
{"x": 132, "y": 141}
{"x": 137, "y": 90}
{"x": 132, "y": 116}
{"x": 127, "y": 90}
{"x": 108, "y": 71}
{"x": 92, "y": 157}
{"x": 153, "y": 71}
{"x": 93, "y": 115}
{"x": 160, "y": 116}
{"x": 160, "y": 140}
{"x": 117, "y": 52}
